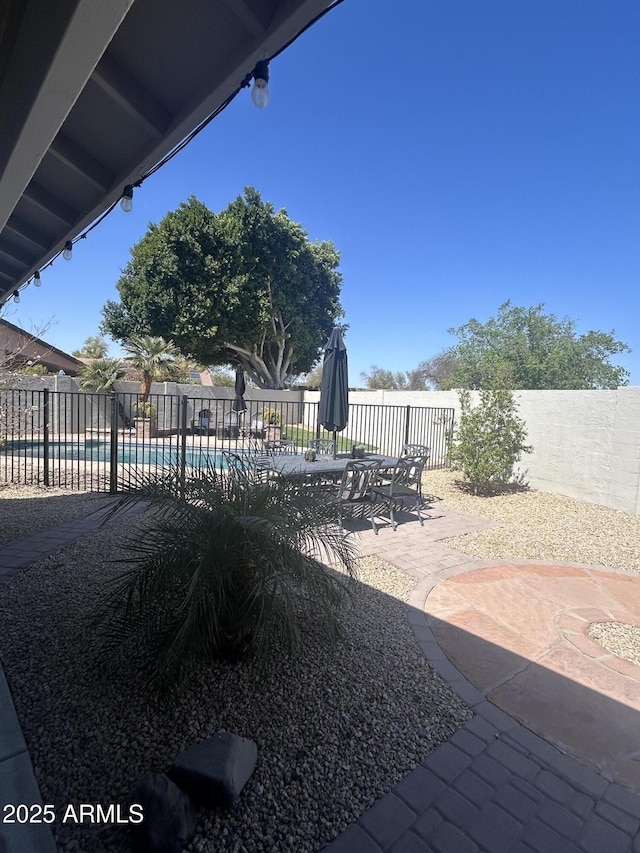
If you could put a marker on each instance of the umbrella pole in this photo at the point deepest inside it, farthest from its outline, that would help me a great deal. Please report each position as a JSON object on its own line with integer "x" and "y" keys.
{"x": 335, "y": 445}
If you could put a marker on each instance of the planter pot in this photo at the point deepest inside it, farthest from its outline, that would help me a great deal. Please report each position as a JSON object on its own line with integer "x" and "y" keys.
{"x": 273, "y": 433}
{"x": 145, "y": 428}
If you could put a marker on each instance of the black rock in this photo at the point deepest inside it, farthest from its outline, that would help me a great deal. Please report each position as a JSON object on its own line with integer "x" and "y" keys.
{"x": 215, "y": 771}
{"x": 169, "y": 815}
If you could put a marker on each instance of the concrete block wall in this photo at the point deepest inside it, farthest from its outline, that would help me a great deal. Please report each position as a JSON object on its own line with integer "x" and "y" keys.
{"x": 586, "y": 444}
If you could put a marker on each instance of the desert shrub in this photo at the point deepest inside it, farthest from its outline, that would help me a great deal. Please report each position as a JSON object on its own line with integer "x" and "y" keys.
{"x": 489, "y": 439}
{"x": 222, "y": 571}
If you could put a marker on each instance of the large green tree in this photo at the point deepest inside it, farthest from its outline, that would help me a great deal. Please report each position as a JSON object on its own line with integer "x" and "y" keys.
{"x": 243, "y": 286}
{"x": 526, "y": 348}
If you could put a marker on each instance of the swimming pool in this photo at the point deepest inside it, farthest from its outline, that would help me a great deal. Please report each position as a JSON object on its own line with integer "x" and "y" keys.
{"x": 93, "y": 450}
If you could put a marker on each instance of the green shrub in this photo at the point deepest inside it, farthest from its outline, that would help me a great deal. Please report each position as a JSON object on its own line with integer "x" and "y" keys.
{"x": 145, "y": 409}
{"x": 272, "y": 417}
{"x": 34, "y": 370}
{"x": 488, "y": 440}
{"x": 222, "y": 571}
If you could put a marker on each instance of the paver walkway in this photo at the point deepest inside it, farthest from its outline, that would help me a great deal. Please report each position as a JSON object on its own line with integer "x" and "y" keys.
{"x": 495, "y": 633}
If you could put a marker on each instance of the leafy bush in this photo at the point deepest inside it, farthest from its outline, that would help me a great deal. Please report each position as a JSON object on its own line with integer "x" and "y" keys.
{"x": 222, "y": 571}
{"x": 272, "y": 417}
{"x": 145, "y": 409}
{"x": 34, "y": 370}
{"x": 489, "y": 440}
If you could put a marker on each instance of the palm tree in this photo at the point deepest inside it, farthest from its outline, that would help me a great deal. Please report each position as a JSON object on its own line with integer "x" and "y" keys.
{"x": 153, "y": 359}
{"x": 223, "y": 570}
{"x": 101, "y": 374}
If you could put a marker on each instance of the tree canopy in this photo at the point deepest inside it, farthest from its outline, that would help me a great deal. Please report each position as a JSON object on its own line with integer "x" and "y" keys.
{"x": 526, "y": 348}
{"x": 243, "y": 286}
{"x": 378, "y": 379}
{"x": 93, "y": 347}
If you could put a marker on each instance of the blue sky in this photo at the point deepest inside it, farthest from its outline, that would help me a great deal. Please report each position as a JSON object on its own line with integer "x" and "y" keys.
{"x": 458, "y": 154}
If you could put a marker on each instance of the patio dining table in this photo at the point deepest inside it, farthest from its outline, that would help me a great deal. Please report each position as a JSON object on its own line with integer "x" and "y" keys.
{"x": 297, "y": 466}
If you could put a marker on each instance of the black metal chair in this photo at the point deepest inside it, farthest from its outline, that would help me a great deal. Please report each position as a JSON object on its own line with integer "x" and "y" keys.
{"x": 322, "y": 446}
{"x": 403, "y": 490}
{"x": 356, "y": 487}
{"x": 415, "y": 450}
{"x": 249, "y": 469}
{"x": 279, "y": 446}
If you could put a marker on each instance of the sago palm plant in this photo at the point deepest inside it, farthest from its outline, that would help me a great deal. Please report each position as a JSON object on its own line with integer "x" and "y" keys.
{"x": 223, "y": 571}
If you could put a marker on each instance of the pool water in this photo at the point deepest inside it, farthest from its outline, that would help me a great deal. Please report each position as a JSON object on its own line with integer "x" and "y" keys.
{"x": 100, "y": 451}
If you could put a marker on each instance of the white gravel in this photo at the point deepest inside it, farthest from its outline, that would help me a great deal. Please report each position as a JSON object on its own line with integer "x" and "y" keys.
{"x": 542, "y": 526}
{"x": 618, "y": 638}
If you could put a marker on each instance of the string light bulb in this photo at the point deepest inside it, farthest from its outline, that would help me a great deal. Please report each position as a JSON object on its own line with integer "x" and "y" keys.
{"x": 68, "y": 250}
{"x": 36, "y": 278}
{"x": 126, "y": 202}
{"x": 260, "y": 91}
{"x": 16, "y": 296}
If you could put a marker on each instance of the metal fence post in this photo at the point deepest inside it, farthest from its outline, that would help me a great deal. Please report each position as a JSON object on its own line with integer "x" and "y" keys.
{"x": 45, "y": 407}
{"x": 407, "y": 420}
{"x": 113, "y": 455}
{"x": 184, "y": 408}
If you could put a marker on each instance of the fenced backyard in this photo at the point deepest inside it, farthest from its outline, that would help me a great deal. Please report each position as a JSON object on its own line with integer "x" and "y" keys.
{"x": 101, "y": 442}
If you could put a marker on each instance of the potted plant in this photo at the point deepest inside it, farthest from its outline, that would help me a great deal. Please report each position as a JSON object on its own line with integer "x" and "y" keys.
{"x": 273, "y": 424}
{"x": 146, "y": 420}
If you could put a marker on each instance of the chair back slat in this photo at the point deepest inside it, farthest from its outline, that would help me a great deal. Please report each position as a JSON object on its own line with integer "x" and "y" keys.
{"x": 322, "y": 446}
{"x": 416, "y": 450}
{"x": 280, "y": 446}
{"x": 358, "y": 480}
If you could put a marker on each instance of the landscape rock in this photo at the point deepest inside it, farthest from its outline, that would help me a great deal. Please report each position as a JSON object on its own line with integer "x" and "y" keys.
{"x": 169, "y": 815}
{"x": 215, "y": 771}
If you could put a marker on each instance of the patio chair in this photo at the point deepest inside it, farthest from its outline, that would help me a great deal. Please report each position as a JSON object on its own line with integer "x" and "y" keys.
{"x": 356, "y": 488}
{"x": 322, "y": 446}
{"x": 248, "y": 470}
{"x": 279, "y": 446}
{"x": 415, "y": 450}
{"x": 403, "y": 490}
{"x": 202, "y": 422}
{"x": 228, "y": 426}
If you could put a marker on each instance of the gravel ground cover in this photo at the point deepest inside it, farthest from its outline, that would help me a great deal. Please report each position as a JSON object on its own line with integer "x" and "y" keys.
{"x": 542, "y": 526}
{"x": 25, "y": 510}
{"x": 335, "y": 729}
{"x": 619, "y": 639}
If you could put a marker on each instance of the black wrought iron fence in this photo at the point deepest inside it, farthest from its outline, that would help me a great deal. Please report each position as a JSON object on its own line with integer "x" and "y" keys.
{"x": 102, "y": 442}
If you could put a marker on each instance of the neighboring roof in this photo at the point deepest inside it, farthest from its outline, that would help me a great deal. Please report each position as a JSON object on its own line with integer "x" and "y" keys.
{"x": 21, "y": 349}
{"x": 94, "y": 94}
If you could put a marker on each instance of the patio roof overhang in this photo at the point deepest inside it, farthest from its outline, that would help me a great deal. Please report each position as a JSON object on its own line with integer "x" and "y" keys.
{"x": 94, "y": 94}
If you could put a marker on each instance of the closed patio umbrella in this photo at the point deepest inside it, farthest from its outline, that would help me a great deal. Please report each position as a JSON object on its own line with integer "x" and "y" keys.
{"x": 333, "y": 409}
{"x": 239, "y": 404}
